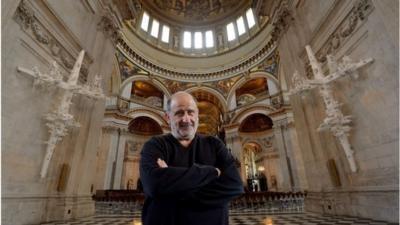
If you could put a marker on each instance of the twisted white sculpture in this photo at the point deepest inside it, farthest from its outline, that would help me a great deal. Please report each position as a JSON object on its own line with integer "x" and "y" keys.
{"x": 335, "y": 121}
{"x": 59, "y": 121}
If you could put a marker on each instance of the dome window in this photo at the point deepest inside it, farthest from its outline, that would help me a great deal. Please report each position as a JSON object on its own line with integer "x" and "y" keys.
{"x": 187, "y": 39}
{"x": 231, "y": 32}
{"x": 145, "y": 21}
{"x": 240, "y": 26}
{"x": 198, "y": 40}
{"x": 154, "y": 28}
{"x": 165, "y": 34}
{"x": 209, "y": 39}
{"x": 250, "y": 18}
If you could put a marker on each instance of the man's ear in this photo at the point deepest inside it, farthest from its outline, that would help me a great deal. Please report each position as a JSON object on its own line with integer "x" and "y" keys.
{"x": 166, "y": 117}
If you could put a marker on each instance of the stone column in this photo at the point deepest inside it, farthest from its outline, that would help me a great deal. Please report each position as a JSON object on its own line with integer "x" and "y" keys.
{"x": 291, "y": 161}
{"x": 115, "y": 159}
{"x": 119, "y": 160}
{"x": 234, "y": 143}
{"x": 126, "y": 93}
{"x": 114, "y": 138}
{"x": 232, "y": 103}
{"x": 295, "y": 156}
{"x": 279, "y": 128}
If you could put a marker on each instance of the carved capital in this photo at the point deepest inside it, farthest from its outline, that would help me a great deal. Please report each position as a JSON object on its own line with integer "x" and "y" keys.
{"x": 282, "y": 21}
{"x": 24, "y": 15}
{"x": 110, "y": 28}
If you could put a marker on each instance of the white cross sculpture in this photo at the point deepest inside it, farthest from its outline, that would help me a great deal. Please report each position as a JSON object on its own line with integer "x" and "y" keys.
{"x": 59, "y": 121}
{"x": 335, "y": 121}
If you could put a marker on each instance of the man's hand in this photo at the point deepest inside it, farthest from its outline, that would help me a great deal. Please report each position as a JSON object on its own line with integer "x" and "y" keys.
{"x": 219, "y": 171}
{"x": 161, "y": 163}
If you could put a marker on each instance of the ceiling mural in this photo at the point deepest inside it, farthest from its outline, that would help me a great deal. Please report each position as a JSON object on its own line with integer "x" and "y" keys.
{"x": 269, "y": 65}
{"x": 252, "y": 90}
{"x": 126, "y": 67}
{"x": 210, "y": 112}
{"x": 146, "y": 92}
{"x": 145, "y": 89}
{"x": 144, "y": 126}
{"x": 256, "y": 123}
{"x": 196, "y": 10}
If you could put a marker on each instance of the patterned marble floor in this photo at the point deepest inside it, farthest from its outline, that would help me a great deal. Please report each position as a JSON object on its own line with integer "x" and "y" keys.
{"x": 236, "y": 218}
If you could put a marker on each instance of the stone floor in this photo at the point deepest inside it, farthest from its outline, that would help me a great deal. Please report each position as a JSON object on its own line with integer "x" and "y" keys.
{"x": 236, "y": 218}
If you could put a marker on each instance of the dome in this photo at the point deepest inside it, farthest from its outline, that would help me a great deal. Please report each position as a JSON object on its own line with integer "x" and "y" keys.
{"x": 196, "y": 35}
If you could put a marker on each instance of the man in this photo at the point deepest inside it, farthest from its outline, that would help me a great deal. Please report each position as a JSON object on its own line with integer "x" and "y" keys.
{"x": 188, "y": 179}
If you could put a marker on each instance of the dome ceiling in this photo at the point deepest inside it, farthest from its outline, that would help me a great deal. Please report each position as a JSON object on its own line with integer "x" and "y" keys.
{"x": 149, "y": 51}
{"x": 195, "y": 12}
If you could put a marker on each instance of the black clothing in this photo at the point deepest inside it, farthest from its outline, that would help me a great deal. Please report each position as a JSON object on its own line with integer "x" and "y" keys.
{"x": 189, "y": 191}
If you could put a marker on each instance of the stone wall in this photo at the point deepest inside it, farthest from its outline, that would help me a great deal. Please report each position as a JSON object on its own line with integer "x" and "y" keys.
{"x": 359, "y": 29}
{"x": 36, "y": 33}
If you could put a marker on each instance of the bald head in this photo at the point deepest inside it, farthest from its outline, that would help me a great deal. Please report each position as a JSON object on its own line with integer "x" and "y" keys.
{"x": 179, "y": 95}
{"x": 183, "y": 116}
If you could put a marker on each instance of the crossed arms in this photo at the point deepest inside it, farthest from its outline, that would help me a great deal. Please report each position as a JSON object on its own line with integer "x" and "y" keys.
{"x": 203, "y": 184}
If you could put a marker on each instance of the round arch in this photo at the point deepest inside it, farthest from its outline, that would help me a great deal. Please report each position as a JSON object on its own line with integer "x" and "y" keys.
{"x": 252, "y": 75}
{"x": 144, "y": 77}
{"x": 261, "y": 109}
{"x": 115, "y": 83}
{"x": 213, "y": 92}
{"x": 134, "y": 113}
{"x": 251, "y": 141}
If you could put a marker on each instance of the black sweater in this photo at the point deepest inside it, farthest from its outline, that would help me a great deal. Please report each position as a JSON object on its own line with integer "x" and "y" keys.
{"x": 189, "y": 191}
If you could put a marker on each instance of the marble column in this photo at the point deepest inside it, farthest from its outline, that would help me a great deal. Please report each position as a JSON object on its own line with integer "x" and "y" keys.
{"x": 295, "y": 156}
{"x": 234, "y": 143}
{"x": 119, "y": 160}
{"x": 115, "y": 159}
{"x": 279, "y": 128}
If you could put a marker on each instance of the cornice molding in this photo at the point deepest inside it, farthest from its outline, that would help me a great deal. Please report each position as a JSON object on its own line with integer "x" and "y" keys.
{"x": 27, "y": 17}
{"x": 201, "y": 75}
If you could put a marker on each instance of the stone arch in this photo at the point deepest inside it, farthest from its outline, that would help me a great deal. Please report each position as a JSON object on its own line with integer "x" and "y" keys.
{"x": 144, "y": 77}
{"x": 134, "y": 113}
{"x": 213, "y": 92}
{"x": 244, "y": 79}
{"x": 144, "y": 125}
{"x": 115, "y": 78}
{"x": 261, "y": 109}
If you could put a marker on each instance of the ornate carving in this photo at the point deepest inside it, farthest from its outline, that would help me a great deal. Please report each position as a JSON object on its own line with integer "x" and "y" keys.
{"x": 282, "y": 21}
{"x": 270, "y": 64}
{"x": 245, "y": 99}
{"x": 26, "y": 18}
{"x": 335, "y": 121}
{"x": 24, "y": 15}
{"x": 59, "y": 121}
{"x": 134, "y": 147}
{"x": 355, "y": 18}
{"x": 39, "y": 34}
{"x": 110, "y": 28}
{"x": 196, "y": 10}
{"x": 172, "y": 73}
{"x": 154, "y": 101}
{"x": 54, "y": 48}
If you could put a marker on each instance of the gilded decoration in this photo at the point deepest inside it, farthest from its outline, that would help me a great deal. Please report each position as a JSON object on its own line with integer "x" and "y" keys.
{"x": 270, "y": 64}
{"x": 126, "y": 67}
{"x": 224, "y": 86}
{"x": 196, "y": 10}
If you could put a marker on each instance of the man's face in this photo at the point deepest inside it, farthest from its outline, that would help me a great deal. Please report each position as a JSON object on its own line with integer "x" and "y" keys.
{"x": 183, "y": 117}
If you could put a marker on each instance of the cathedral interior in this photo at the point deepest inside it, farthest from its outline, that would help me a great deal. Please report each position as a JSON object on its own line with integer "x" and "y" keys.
{"x": 304, "y": 94}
